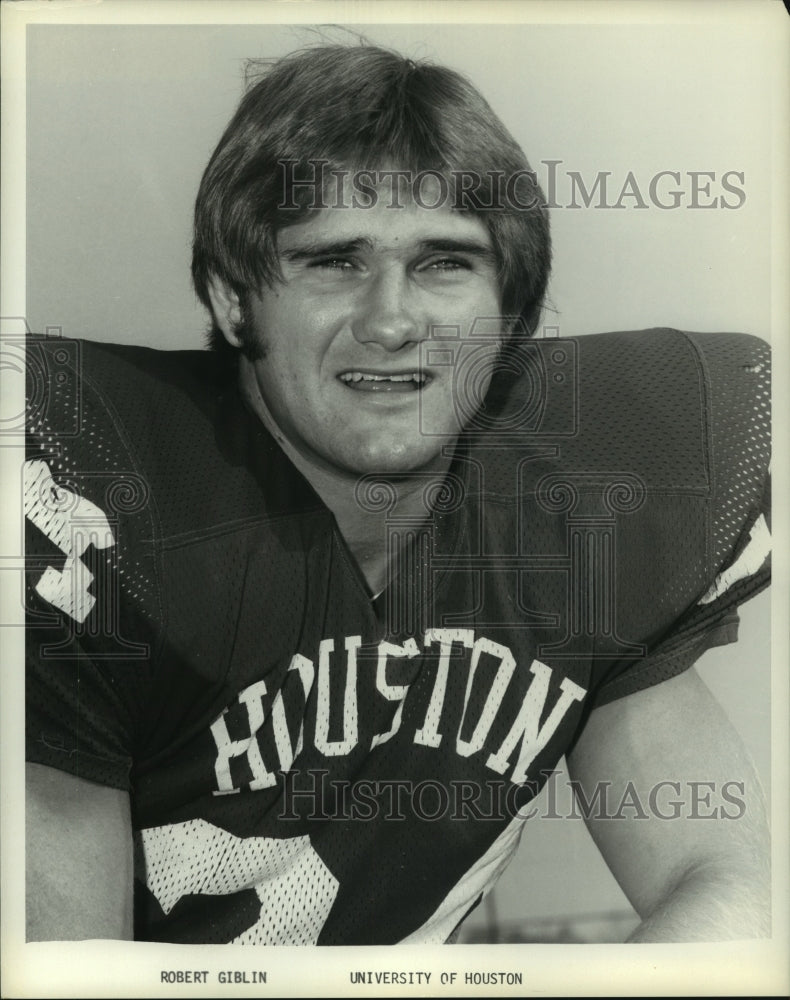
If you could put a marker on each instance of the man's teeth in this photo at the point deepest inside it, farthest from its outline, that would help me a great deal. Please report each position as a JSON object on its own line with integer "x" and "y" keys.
{"x": 365, "y": 377}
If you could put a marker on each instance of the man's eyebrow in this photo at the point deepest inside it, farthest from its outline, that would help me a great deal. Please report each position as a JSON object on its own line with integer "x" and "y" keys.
{"x": 449, "y": 244}
{"x": 339, "y": 248}
{"x": 325, "y": 248}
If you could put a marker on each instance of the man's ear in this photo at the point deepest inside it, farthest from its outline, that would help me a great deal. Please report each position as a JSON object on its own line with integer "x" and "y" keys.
{"x": 227, "y": 309}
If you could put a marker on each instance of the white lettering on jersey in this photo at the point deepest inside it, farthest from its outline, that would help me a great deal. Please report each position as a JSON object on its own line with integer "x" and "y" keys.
{"x": 337, "y": 748}
{"x": 507, "y": 664}
{"x": 747, "y": 563}
{"x": 429, "y": 735}
{"x": 228, "y": 748}
{"x": 72, "y": 523}
{"x": 286, "y": 751}
{"x": 295, "y": 887}
{"x": 288, "y": 716}
{"x": 252, "y": 699}
{"x": 392, "y": 692}
{"x": 527, "y": 728}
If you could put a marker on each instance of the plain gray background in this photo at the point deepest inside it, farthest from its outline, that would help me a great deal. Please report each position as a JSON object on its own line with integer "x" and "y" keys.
{"x": 121, "y": 121}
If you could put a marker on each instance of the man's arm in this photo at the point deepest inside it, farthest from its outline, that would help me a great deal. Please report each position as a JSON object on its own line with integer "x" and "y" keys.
{"x": 78, "y": 858}
{"x": 701, "y": 876}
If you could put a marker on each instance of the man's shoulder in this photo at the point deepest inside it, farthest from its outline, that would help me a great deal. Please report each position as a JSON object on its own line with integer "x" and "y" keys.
{"x": 173, "y": 418}
{"x": 126, "y": 373}
{"x": 665, "y": 370}
{"x": 664, "y": 403}
{"x": 683, "y": 418}
{"x": 117, "y": 402}
{"x": 674, "y": 402}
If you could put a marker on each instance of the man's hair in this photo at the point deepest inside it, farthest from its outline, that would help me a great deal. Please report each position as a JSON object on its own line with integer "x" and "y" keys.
{"x": 360, "y": 107}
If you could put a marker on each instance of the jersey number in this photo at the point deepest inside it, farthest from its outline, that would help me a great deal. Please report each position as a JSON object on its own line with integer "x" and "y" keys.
{"x": 72, "y": 523}
{"x": 295, "y": 887}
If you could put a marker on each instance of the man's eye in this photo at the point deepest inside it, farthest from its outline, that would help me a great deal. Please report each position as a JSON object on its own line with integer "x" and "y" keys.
{"x": 447, "y": 264}
{"x": 334, "y": 263}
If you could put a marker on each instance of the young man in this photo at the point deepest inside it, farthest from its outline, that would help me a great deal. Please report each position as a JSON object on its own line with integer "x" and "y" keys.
{"x": 314, "y": 616}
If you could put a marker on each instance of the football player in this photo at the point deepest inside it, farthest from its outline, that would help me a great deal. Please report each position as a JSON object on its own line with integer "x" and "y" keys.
{"x": 315, "y": 614}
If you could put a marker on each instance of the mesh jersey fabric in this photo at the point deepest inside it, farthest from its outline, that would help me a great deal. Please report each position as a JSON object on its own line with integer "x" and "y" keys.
{"x": 307, "y": 765}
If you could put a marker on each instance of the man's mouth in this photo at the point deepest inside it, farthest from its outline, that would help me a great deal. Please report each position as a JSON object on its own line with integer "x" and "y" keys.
{"x": 408, "y": 381}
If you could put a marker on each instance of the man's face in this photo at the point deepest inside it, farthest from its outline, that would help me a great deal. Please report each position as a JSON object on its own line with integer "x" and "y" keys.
{"x": 354, "y": 373}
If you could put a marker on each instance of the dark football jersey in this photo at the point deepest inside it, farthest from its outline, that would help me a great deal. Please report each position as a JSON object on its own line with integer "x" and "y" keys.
{"x": 307, "y": 764}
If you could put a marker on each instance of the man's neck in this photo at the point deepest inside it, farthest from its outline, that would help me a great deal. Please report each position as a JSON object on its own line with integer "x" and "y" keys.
{"x": 362, "y": 510}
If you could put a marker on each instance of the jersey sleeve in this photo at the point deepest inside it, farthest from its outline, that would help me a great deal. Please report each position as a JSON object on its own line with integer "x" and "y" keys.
{"x": 736, "y": 429}
{"x": 90, "y": 574}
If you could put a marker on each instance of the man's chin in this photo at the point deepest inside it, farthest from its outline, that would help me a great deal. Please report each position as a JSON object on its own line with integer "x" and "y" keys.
{"x": 396, "y": 460}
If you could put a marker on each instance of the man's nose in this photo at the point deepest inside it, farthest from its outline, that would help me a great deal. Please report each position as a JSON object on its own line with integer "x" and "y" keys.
{"x": 388, "y": 312}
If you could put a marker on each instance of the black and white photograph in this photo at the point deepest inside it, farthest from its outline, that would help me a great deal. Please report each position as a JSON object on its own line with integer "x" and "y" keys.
{"x": 387, "y": 499}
